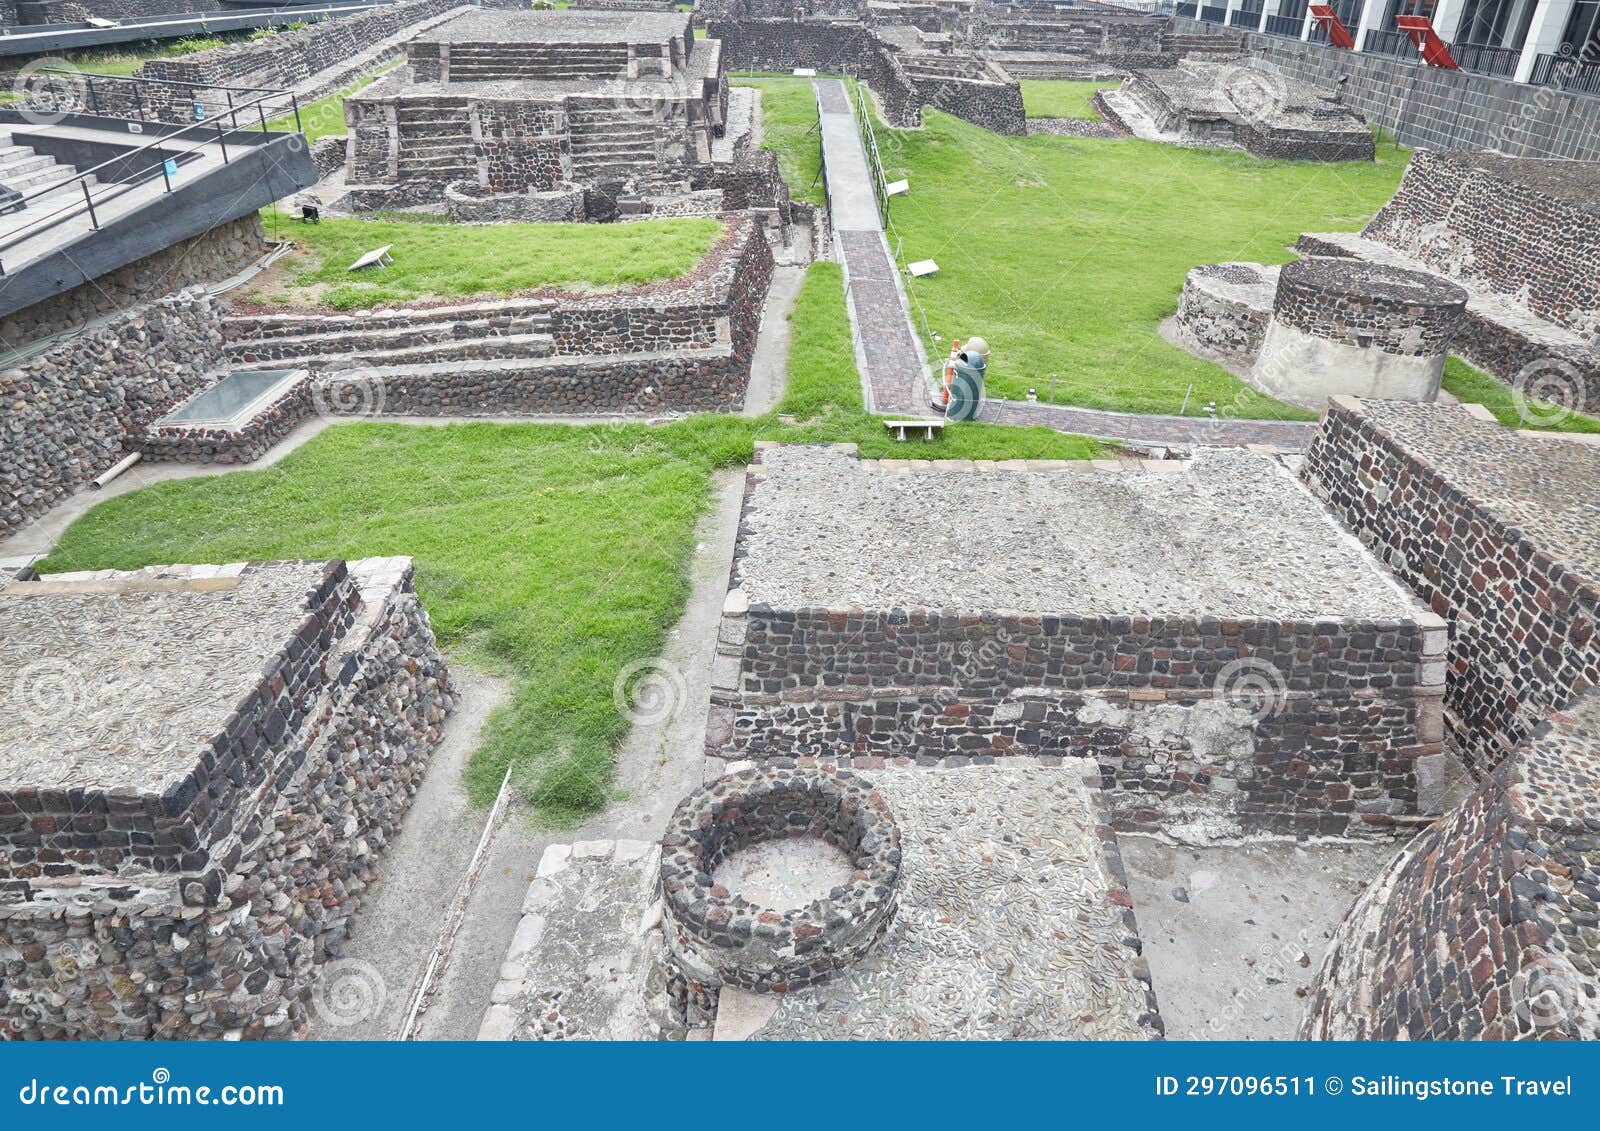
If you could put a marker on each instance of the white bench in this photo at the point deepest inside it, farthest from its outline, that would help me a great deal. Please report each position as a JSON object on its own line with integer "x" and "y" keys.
{"x": 930, "y": 428}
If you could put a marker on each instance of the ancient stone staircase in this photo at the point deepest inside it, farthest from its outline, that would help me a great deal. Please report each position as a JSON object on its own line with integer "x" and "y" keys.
{"x": 436, "y": 140}
{"x": 481, "y": 62}
{"x": 518, "y": 330}
{"x": 609, "y": 141}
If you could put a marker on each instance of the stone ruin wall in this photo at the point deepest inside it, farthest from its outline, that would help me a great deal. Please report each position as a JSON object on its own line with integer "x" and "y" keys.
{"x": 1147, "y": 698}
{"x": 1523, "y": 626}
{"x": 77, "y": 11}
{"x": 289, "y": 58}
{"x": 69, "y": 413}
{"x": 1483, "y": 927}
{"x": 1470, "y": 217}
{"x": 233, "y": 950}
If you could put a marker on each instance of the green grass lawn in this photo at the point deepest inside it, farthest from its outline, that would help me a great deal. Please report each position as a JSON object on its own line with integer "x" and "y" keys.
{"x": 1059, "y": 98}
{"x": 1066, "y": 253}
{"x": 554, "y": 555}
{"x": 1473, "y": 386}
{"x": 445, "y": 261}
{"x": 789, "y": 122}
{"x": 325, "y": 116}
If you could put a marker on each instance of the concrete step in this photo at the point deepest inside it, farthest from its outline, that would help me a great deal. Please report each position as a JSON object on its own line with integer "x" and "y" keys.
{"x": 42, "y": 178}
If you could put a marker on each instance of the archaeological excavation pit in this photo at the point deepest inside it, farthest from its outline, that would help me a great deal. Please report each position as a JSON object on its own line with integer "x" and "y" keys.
{"x": 741, "y": 855}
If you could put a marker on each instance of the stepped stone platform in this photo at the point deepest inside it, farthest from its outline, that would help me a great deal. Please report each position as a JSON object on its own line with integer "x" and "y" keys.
{"x": 1283, "y": 683}
{"x": 1014, "y": 922}
{"x": 1522, "y": 236}
{"x": 1202, "y": 103}
{"x": 681, "y": 345}
{"x": 534, "y": 102}
{"x": 203, "y": 765}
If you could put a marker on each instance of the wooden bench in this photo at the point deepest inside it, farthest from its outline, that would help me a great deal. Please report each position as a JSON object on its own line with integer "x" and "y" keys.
{"x": 930, "y": 428}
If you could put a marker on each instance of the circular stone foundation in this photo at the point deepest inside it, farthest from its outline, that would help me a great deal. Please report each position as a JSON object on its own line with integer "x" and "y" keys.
{"x": 1224, "y": 308}
{"x": 1364, "y": 329}
{"x": 722, "y": 937}
{"x": 470, "y": 203}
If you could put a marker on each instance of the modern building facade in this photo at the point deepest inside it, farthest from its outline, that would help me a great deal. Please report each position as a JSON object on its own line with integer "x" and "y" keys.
{"x": 1549, "y": 42}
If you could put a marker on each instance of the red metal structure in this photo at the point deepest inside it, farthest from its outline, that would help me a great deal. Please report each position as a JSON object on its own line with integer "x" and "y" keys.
{"x": 1338, "y": 34}
{"x": 1434, "y": 51}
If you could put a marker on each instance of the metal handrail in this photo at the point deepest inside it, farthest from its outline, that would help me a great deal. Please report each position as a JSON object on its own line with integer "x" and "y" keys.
{"x": 138, "y": 177}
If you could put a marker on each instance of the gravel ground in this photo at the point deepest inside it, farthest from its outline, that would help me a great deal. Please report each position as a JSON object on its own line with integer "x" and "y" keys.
{"x": 1005, "y": 929}
{"x": 1230, "y": 534}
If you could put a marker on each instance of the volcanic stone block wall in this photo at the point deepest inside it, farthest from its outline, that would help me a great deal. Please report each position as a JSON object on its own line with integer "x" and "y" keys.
{"x": 1225, "y": 307}
{"x": 520, "y": 145}
{"x": 1490, "y": 223}
{"x": 1435, "y": 106}
{"x": 1496, "y": 532}
{"x": 1350, "y": 744}
{"x": 990, "y": 100}
{"x": 1484, "y": 927}
{"x": 291, "y": 57}
{"x": 76, "y": 11}
{"x": 244, "y": 444}
{"x": 829, "y": 48}
{"x": 232, "y": 950}
{"x": 68, "y": 414}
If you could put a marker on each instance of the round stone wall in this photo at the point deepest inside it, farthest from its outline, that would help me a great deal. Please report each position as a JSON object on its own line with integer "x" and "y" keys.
{"x": 1225, "y": 307}
{"x": 1344, "y": 326}
{"x": 470, "y": 203}
{"x": 721, "y": 938}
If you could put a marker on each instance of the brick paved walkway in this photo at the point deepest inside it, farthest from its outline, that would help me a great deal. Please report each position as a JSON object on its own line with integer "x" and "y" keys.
{"x": 894, "y": 374}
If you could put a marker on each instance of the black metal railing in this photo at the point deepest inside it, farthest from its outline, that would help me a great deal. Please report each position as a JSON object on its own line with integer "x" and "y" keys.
{"x": 1566, "y": 73}
{"x": 207, "y": 130}
{"x": 1288, "y": 26}
{"x": 1213, "y": 15}
{"x": 1396, "y": 44}
{"x": 1482, "y": 59}
{"x": 1250, "y": 21}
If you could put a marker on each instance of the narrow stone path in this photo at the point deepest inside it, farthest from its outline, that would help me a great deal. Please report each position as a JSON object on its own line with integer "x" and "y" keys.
{"x": 894, "y": 374}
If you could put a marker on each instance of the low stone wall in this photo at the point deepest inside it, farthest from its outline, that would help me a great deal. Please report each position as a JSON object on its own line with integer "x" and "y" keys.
{"x": 1437, "y": 106}
{"x": 827, "y": 47}
{"x": 69, "y": 413}
{"x": 289, "y": 58}
{"x": 1224, "y": 308}
{"x": 210, "y": 257}
{"x": 990, "y": 102}
{"x": 468, "y": 203}
{"x": 1483, "y": 928}
{"x": 77, "y": 11}
{"x": 1495, "y": 531}
{"x": 230, "y": 946}
{"x": 328, "y": 155}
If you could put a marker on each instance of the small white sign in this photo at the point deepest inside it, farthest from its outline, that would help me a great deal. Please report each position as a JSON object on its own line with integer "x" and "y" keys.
{"x": 377, "y": 257}
{"x": 805, "y": 72}
{"x": 922, "y": 267}
{"x": 135, "y": 128}
{"x": 897, "y": 188}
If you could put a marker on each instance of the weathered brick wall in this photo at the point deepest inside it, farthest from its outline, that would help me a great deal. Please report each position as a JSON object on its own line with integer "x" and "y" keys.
{"x": 520, "y": 145}
{"x": 995, "y": 106}
{"x": 1455, "y": 526}
{"x": 68, "y": 414}
{"x": 1483, "y": 928}
{"x": 234, "y": 951}
{"x": 290, "y": 57}
{"x": 1435, "y": 106}
{"x": 1483, "y": 220}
